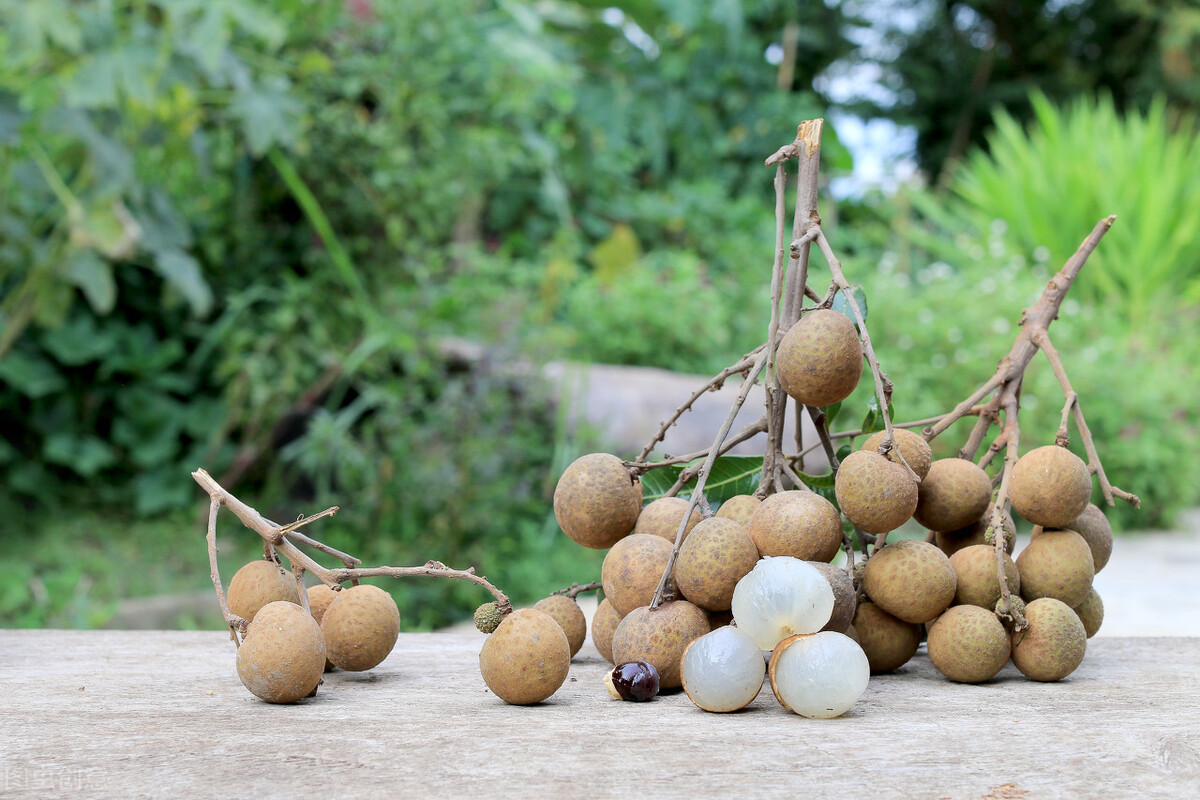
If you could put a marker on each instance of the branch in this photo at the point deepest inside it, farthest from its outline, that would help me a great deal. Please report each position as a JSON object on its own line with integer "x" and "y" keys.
{"x": 235, "y": 623}
{"x": 576, "y": 589}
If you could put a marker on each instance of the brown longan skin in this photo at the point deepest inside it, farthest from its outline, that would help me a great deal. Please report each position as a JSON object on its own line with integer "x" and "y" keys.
{"x": 360, "y": 626}
{"x": 526, "y": 659}
{"x": 912, "y": 446}
{"x": 978, "y": 583}
{"x": 718, "y": 553}
{"x": 1091, "y": 613}
{"x": 597, "y": 501}
{"x": 258, "y": 583}
{"x": 1056, "y": 564}
{"x": 604, "y": 624}
{"x": 969, "y": 644}
{"x": 282, "y": 656}
{"x": 953, "y": 495}
{"x": 1096, "y": 530}
{"x": 845, "y": 599}
{"x": 661, "y": 517}
{"x": 976, "y": 533}
{"x": 569, "y": 616}
{"x": 1050, "y": 486}
{"x": 632, "y": 570}
{"x": 1054, "y": 644}
{"x": 799, "y": 524}
{"x": 319, "y": 598}
{"x": 659, "y": 638}
{"x": 888, "y": 642}
{"x": 820, "y": 358}
{"x": 911, "y": 580}
{"x": 875, "y": 494}
{"x": 739, "y": 508}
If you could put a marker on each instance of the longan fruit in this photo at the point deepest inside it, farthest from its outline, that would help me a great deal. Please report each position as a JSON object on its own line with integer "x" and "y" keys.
{"x": 597, "y": 501}
{"x": 360, "y": 626}
{"x": 912, "y": 446}
{"x": 953, "y": 495}
{"x": 632, "y": 570}
{"x": 659, "y": 637}
{"x": 661, "y": 517}
{"x": 968, "y": 644}
{"x": 717, "y": 554}
{"x": 526, "y": 659}
{"x": 911, "y": 580}
{"x": 1050, "y": 486}
{"x": 567, "y": 613}
{"x": 282, "y": 656}
{"x": 604, "y": 624}
{"x": 820, "y": 358}
{"x": 797, "y": 523}
{"x": 258, "y": 583}
{"x": 874, "y": 493}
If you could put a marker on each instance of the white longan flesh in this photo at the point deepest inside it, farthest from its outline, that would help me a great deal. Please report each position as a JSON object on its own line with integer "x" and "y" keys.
{"x": 822, "y": 675}
{"x": 780, "y": 597}
{"x": 723, "y": 670}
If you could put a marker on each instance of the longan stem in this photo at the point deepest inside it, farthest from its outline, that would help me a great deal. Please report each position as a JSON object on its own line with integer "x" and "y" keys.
{"x": 1000, "y": 509}
{"x": 430, "y": 569}
{"x": 234, "y": 622}
{"x": 576, "y": 589}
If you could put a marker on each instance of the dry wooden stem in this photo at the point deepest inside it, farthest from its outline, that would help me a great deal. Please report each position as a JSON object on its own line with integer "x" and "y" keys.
{"x": 576, "y": 589}
{"x": 235, "y": 623}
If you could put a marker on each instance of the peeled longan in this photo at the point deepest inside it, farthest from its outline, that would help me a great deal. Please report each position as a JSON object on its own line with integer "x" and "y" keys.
{"x": 661, "y": 517}
{"x": 282, "y": 656}
{"x": 360, "y": 627}
{"x": 820, "y": 358}
{"x": 717, "y": 554}
{"x": 888, "y": 642}
{"x": 978, "y": 582}
{"x": 739, "y": 508}
{"x": 1054, "y": 644}
{"x": 569, "y": 616}
{"x": 800, "y": 524}
{"x": 604, "y": 624}
{"x": 1056, "y": 564}
{"x": 912, "y": 446}
{"x": 968, "y": 644}
{"x": 258, "y": 583}
{"x": 875, "y": 494}
{"x": 659, "y": 638}
{"x": 953, "y": 495}
{"x": 526, "y": 658}
{"x": 910, "y": 580}
{"x": 1050, "y": 486}
{"x": 632, "y": 570}
{"x": 597, "y": 501}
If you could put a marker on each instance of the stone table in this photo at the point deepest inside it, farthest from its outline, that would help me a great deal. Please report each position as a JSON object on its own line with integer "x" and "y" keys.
{"x": 137, "y": 714}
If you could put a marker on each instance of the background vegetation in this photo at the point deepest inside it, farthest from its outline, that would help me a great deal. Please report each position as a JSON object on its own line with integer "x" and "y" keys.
{"x": 236, "y": 234}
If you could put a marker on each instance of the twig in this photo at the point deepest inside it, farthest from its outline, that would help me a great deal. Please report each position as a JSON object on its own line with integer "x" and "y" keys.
{"x": 1010, "y": 400}
{"x": 748, "y": 431}
{"x": 430, "y": 569}
{"x": 576, "y": 589}
{"x": 820, "y": 423}
{"x": 234, "y": 622}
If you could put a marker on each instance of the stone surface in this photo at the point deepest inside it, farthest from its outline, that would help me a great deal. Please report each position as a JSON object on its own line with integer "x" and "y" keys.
{"x": 136, "y": 714}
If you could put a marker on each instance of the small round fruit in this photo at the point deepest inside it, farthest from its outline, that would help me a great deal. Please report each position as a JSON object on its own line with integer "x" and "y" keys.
{"x": 661, "y": 517}
{"x": 781, "y": 597}
{"x": 797, "y": 523}
{"x": 845, "y": 599}
{"x": 875, "y": 494}
{"x": 1056, "y": 564}
{"x": 319, "y": 598}
{"x": 978, "y": 584}
{"x": 888, "y": 642}
{"x": 1091, "y": 613}
{"x": 360, "y": 627}
{"x": 632, "y": 569}
{"x": 820, "y": 358}
{"x": 526, "y": 659}
{"x": 820, "y": 675}
{"x": 739, "y": 508}
{"x": 258, "y": 583}
{"x": 569, "y": 616}
{"x": 597, "y": 501}
{"x": 953, "y": 495}
{"x": 1095, "y": 530}
{"x": 604, "y": 624}
{"x": 717, "y": 554}
{"x": 911, "y": 580}
{"x": 912, "y": 446}
{"x": 1054, "y": 644}
{"x": 635, "y": 681}
{"x": 968, "y": 644}
{"x": 723, "y": 670}
{"x": 488, "y": 617}
{"x": 659, "y": 636}
{"x": 1050, "y": 486}
{"x": 282, "y": 656}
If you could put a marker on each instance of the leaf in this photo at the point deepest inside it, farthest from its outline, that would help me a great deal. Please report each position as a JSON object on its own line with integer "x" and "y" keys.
{"x": 269, "y": 114}
{"x": 32, "y": 377}
{"x": 831, "y": 412}
{"x": 842, "y": 305}
{"x": 78, "y": 341}
{"x": 873, "y": 421}
{"x": 93, "y": 276}
{"x": 617, "y": 254}
{"x": 817, "y": 481}
{"x": 86, "y": 455}
{"x": 731, "y": 475}
{"x": 182, "y": 272}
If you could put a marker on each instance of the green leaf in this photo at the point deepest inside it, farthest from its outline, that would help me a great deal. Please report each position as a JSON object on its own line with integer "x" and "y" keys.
{"x": 182, "y": 272}
{"x": 93, "y": 276}
{"x": 269, "y": 115}
{"x": 78, "y": 341}
{"x": 840, "y": 303}
{"x": 86, "y": 455}
{"x": 32, "y": 377}
{"x": 817, "y": 481}
{"x": 731, "y": 475}
{"x": 873, "y": 421}
{"x": 831, "y": 413}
